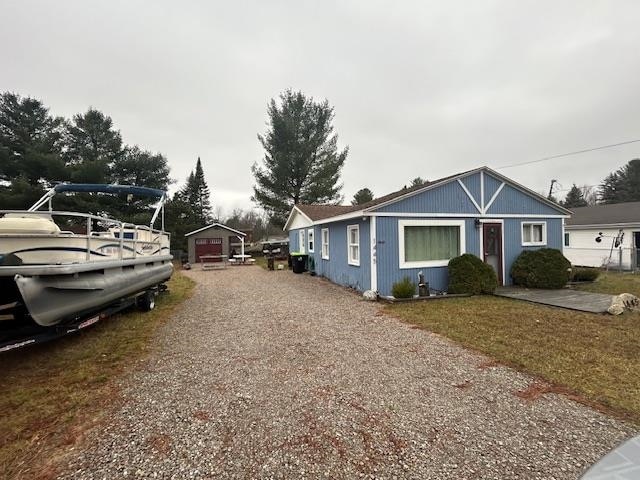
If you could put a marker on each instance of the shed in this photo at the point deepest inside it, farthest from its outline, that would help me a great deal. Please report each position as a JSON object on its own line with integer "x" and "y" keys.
{"x": 606, "y": 223}
{"x": 214, "y": 239}
{"x": 419, "y": 229}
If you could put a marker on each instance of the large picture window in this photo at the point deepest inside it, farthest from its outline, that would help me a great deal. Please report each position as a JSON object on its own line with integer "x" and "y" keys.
{"x": 430, "y": 243}
{"x": 353, "y": 244}
{"x": 534, "y": 233}
{"x": 324, "y": 236}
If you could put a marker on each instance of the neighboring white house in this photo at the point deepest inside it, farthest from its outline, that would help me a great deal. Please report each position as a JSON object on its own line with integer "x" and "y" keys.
{"x": 605, "y": 222}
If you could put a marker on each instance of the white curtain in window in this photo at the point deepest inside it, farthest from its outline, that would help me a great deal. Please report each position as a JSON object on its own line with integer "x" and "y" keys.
{"x": 426, "y": 243}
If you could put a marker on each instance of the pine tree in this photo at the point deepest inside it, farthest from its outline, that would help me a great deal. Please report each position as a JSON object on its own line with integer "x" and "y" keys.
{"x": 302, "y": 163}
{"x": 362, "y": 196}
{"x": 575, "y": 198}
{"x": 622, "y": 185}
{"x": 202, "y": 194}
{"x": 417, "y": 181}
{"x": 30, "y": 149}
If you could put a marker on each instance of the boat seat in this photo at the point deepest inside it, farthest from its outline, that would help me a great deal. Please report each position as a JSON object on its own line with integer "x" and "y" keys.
{"x": 15, "y": 225}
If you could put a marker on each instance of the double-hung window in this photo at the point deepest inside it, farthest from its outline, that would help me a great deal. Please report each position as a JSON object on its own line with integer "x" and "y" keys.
{"x": 567, "y": 239}
{"x": 353, "y": 245}
{"x": 430, "y": 243}
{"x": 310, "y": 240}
{"x": 324, "y": 237}
{"x": 301, "y": 241}
{"x": 534, "y": 233}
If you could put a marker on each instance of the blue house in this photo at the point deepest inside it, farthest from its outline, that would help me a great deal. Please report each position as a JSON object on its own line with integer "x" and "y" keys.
{"x": 419, "y": 229}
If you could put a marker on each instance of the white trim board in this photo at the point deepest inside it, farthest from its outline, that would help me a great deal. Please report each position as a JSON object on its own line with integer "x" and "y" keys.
{"x": 473, "y": 200}
{"x": 373, "y": 257}
{"x": 463, "y": 215}
{"x": 403, "y": 265}
{"x": 350, "y": 261}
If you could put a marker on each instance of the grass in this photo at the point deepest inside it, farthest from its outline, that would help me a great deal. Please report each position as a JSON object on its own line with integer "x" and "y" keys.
{"x": 262, "y": 262}
{"x": 614, "y": 283}
{"x": 51, "y": 393}
{"x": 594, "y": 356}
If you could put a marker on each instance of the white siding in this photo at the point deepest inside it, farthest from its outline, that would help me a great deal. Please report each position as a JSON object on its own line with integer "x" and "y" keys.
{"x": 583, "y": 249}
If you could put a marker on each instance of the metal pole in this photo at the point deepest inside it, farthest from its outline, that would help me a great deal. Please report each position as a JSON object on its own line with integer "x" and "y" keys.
{"x": 121, "y": 240}
{"x": 88, "y": 239}
{"x": 135, "y": 241}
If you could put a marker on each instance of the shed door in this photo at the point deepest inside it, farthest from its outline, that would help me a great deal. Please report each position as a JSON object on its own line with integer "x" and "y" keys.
{"x": 208, "y": 246}
{"x": 492, "y": 245}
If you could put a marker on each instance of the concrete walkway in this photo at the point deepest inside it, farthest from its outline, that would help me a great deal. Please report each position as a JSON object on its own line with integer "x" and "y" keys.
{"x": 565, "y": 298}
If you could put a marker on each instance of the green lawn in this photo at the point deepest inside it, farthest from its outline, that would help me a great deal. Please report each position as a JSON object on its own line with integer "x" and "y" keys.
{"x": 614, "y": 283}
{"x": 50, "y": 393}
{"x": 594, "y": 356}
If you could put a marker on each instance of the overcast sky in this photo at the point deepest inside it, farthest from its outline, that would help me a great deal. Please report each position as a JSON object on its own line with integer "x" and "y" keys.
{"x": 419, "y": 88}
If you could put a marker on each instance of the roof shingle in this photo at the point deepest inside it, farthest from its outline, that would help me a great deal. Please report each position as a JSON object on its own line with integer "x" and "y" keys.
{"x": 610, "y": 214}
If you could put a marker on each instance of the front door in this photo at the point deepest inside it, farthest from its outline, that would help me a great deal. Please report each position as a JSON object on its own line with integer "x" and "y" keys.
{"x": 492, "y": 246}
{"x": 208, "y": 246}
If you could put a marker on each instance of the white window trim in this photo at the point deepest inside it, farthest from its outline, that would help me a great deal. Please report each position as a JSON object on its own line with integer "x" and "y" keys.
{"x": 427, "y": 223}
{"x": 311, "y": 241}
{"x": 301, "y": 245}
{"x": 534, "y": 244}
{"x": 353, "y": 261}
{"x": 322, "y": 244}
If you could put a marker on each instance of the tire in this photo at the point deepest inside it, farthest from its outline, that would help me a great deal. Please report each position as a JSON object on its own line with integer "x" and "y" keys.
{"x": 147, "y": 301}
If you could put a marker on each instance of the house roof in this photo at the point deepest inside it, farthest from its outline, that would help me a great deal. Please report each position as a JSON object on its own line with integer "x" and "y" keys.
{"x": 218, "y": 225}
{"x": 610, "y": 214}
{"x": 315, "y": 212}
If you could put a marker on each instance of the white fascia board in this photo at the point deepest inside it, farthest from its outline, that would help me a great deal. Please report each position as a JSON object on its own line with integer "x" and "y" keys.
{"x": 602, "y": 226}
{"x": 215, "y": 225}
{"x": 295, "y": 209}
{"x": 339, "y": 218}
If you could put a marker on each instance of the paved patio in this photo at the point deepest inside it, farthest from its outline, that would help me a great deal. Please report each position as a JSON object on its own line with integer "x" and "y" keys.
{"x": 565, "y": 298}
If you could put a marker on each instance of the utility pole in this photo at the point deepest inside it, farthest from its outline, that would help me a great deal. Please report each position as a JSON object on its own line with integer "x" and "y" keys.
{"x": 553, "y": 182}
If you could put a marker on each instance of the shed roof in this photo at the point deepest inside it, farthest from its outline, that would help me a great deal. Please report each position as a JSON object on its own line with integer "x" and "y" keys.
{"x": 218, "y": 225}
{"x": 610, "y": 214}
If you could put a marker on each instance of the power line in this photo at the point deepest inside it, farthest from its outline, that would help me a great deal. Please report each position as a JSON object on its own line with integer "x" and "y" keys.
{"x": 567, "y": 154}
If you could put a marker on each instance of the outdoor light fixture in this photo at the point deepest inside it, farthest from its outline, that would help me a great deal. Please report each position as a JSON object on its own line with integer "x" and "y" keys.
{"x": 478, "y": 223}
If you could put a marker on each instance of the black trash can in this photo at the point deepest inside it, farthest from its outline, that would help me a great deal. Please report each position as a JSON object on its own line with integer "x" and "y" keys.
{"x": 299, "y": 263}
{"x": 270, "y": 263}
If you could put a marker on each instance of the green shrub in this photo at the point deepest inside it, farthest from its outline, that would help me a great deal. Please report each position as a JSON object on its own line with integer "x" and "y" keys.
{"x": 584, "y": 274}
{"x": 469, "y": 274}
{"x": 543, "y": 268}
{"x": 405, "y": 288}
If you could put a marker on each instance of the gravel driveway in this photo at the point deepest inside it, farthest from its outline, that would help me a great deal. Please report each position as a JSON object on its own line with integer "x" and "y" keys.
{"x": 275, "y": 375}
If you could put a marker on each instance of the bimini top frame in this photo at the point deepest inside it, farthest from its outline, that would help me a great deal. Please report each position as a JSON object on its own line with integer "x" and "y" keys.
{"x": 102, "y": 188}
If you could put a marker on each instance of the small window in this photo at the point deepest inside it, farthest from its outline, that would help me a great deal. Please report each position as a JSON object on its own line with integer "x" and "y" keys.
{"x": 310, "y": 240}
{"x": 325, "y": 243}
{"x": 301, "y": 241}
{"x": 353, "y": 244}
{"x": 567, "y": 237}
{"x": 534, "y": 233}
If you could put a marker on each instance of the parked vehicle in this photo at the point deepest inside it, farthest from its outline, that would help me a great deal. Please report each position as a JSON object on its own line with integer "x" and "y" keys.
{"x": 51, "y": 275}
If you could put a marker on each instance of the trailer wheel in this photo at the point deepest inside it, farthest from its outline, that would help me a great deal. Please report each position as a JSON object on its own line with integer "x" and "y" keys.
{"x": 147, "y": 301}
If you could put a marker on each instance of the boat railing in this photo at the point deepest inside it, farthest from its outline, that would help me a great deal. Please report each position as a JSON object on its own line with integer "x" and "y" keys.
{"x": 90, "y": 233}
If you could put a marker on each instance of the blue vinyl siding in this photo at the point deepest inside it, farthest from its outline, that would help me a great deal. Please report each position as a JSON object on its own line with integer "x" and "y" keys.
{"x": 388, "y": 261}
{"x": 513, "y": 201}
{"x": 472, "y": 182}
{"x": 491, "y": 185}
{"x": 449, "y": 198}
{"x": 337, "y": 268}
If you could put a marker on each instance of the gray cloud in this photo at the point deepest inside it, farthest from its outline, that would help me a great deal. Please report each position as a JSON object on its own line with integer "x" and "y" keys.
{"x": 419, "y": 88}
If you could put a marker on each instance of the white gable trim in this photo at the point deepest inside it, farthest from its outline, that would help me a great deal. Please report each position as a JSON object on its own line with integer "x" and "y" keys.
{"x": 216, "y": 225}
{"x": 473, "y": 200}
{"x": 295, "y": 210}
{"x": 493, "y": 197}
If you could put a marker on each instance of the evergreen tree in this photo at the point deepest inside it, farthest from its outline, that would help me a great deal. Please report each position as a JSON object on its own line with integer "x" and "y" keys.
{"x": 195, "y": 193}
{"x": 362, "y": 196}
{"x": 92, "y": 145}
{"x": 417, "y": 181}
{"x": 30, "y": 147}
{"x": 622, "y": 185}
{"x": 142, "y": 168}
{"x": 302, "y": 163}
{"x": 574, "y": 198}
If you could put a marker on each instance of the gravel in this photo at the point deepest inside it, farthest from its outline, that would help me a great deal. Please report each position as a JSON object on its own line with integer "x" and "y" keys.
{"x": 275, "y": 375}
